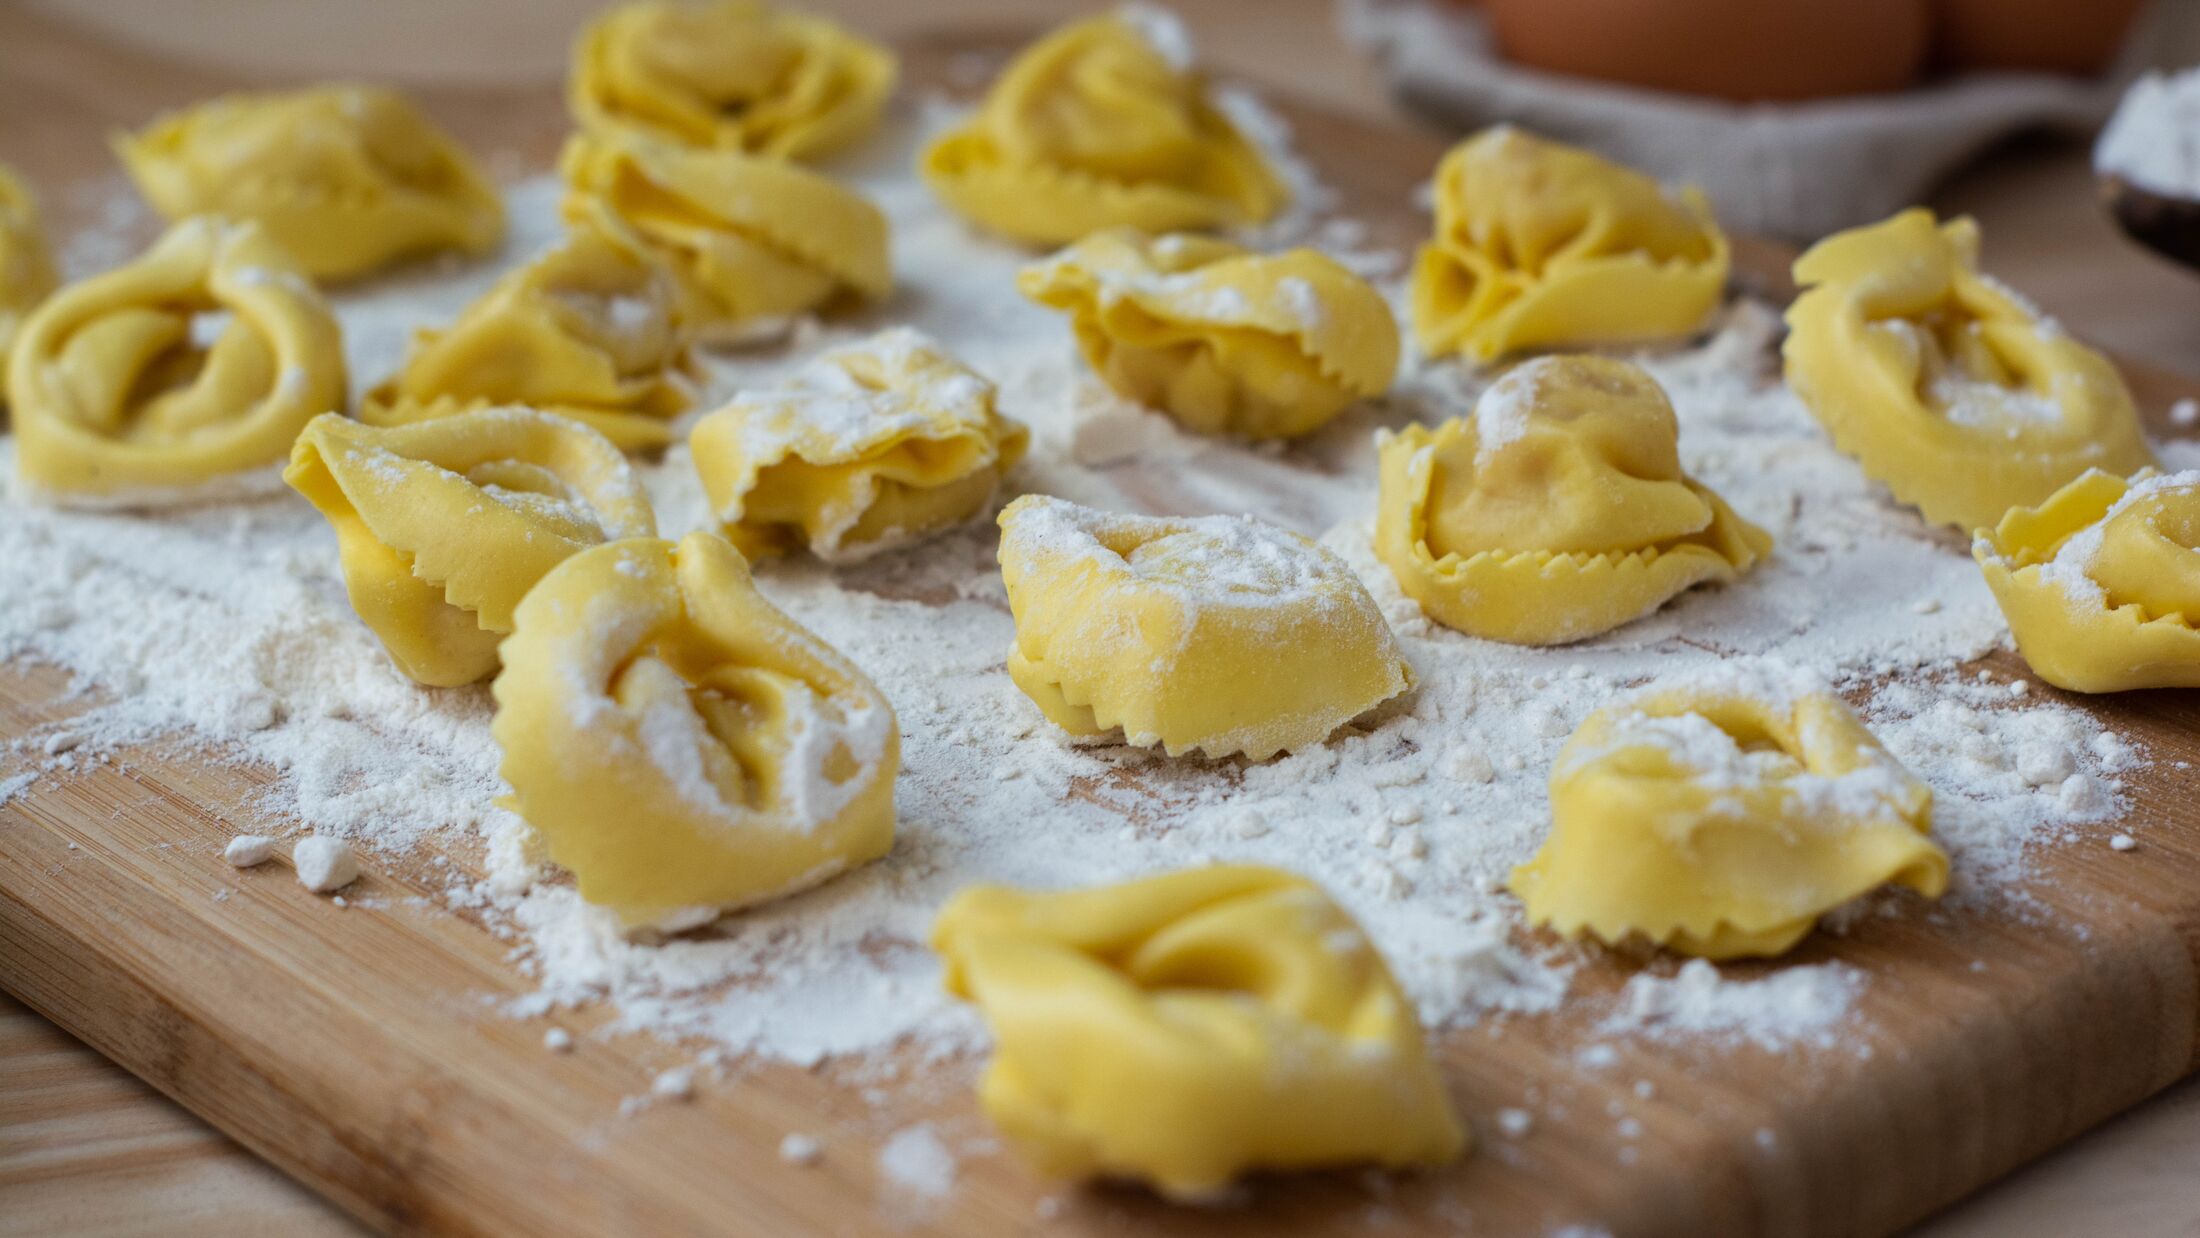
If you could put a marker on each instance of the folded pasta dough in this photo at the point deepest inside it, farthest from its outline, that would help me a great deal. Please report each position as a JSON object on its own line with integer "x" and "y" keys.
{"x": 199, "y": 360}
{"x": 2101, "y": 583}
{"x": 681, "y": 745}
{"x": 868, "y": 447}
{"x": 1188, "y": 1028}
{"x": 1557, "y": 512}
{"x": 1222, "y": 339}
{"x": 595, "y": 329}
{"x": 732, "y": 74}
{"x": 1542, "y": 245}
{"x": 26, "y": 263}
{"x": 348, "y": 178}
{"x": 750, "y": 237}
{"x": 1095, "y": 126}
{"x": 1721, "y": 819}
{"x": 1221, "y": 634}
{"x": 443, "y": 526}
{"x": 1944, "y": 385}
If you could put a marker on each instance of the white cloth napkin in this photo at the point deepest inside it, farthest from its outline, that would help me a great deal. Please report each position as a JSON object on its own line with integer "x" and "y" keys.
{"x": 1796, "y": 171}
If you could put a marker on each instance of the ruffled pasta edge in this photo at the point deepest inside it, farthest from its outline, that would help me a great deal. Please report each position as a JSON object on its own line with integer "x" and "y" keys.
{"x": 2074, "y": 643}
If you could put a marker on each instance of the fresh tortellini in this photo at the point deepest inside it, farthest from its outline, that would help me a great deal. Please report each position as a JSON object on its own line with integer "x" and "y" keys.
{"x": 1542, "y": 245}
{"x": 1944, "y": 385}
{"x": 198, "y": 361}
{"x": 1223, "y": 339}
{"x": 595, "y": 329}
{"x": 1722, "y": 818}
{"x": 1219, "y": 634}
{"x": 1188, "y": 1028}
{"x": 733, "y": 74}
{"x": 681, "y": 745}
{"x": 2101, "y": 583}
{"x": 1099, "y": 125}
{"x": 868, "y": 447}
{"x": 751, "y": 237}
{"x": 443, "y": 526}
{"x": 348, "y": 178}
{"x": 1558, "y": 511}
{"x": 26, "y": 263}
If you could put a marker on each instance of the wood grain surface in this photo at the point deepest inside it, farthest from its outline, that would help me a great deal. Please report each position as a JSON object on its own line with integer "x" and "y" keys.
{"x": 94, "y": 1152}
{"x": 351, "y": 1046}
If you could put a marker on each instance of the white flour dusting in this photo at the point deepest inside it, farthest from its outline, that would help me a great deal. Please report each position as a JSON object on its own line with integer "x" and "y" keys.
{"x": 1162, "y": 30}
{"x": 2153, "y": 140}
{"x": 916, "y": 1160}
{"x": 1797, "y": 1003}
{"x": 249, "y": 850}
{"x": 227, "y": 626}
{"x": 324, "y": 864}
{"x": 2071, "y": 569}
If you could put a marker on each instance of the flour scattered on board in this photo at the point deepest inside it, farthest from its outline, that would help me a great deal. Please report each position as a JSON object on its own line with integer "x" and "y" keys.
{"x": 800, "y": 1149}
{"x": 249, "y": 850}
{"x": 916, "y": 1160}
{"x": 324, "y": 864}
{"x": 239, "y": 636}
{"x": 1797, "y": 1003}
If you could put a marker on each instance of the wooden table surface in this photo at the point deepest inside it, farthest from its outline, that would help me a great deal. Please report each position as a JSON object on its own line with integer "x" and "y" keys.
{"x": 85, "y": 1148}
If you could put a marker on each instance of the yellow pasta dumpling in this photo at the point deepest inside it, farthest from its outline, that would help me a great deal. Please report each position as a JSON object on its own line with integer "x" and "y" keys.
{"x": 1722, "y": 818}
{"x": 347, "y": 178}
{"x": 1542, "y": 245}
{"x": 596, "y": 329}
{"x": 1221, "y": 634}
{"x": 1944, "y": 385}
{"x": 443, "y": 526}
{"x": 750, "y": 237}
{"x": 1558, "y": 511}
{"x": 867, "y": 448}
{"x": 1185, "y": 1029}
{"x": 1225, "y": 340}
{"x": 682, "y": 746}
{"x": 2101, "y": 583}
{"x": 26, "y": 263}
{"x": 732, "y": 74}
{"x": 1104, "y": 123}
{"x": 199, "y": 360}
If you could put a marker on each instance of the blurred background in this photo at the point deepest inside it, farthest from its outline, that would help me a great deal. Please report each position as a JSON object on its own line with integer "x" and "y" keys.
{"x": 1874, "y": 44}
{"x": 1797, "y": 116}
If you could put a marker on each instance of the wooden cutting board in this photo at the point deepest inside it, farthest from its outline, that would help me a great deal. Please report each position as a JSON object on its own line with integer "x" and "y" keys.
{"x": 350, "y": 1046}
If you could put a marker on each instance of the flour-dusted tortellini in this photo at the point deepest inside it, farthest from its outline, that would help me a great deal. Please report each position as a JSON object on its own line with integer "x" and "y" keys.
{"x": 595, "y": 329}
{"x": 2101, "y": 583}
{"x": 1185, "y": 1029}
{"x": 1722, "y": 818}
{"x": 1103, "y": 123}
{"x": 681, "y": 745}
{"x": 1944, "y": 385}
{"x": 751, "y": 237}
{"x": 1219, "y": 634}
{"x": 1225, "y": 340}
{"x": 347, "y": 178}
{"x": 443, "y": 526}
{"x": 26, "y": 263}
{"x": 1541, "y": 245}
{"x": 1558, "y": 511}
{"x": 868, "y": 447}
{"x": 733, "y": 74}
{"x": 198, "y": 361}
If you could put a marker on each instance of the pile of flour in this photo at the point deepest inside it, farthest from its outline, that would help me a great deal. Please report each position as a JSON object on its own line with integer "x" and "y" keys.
{"x": 2153, "y": 140}
{"x": 226, "y": 627}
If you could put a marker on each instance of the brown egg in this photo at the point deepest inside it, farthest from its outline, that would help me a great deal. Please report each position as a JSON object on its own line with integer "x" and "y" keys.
{"x": 2056, "y": 36}
{"x": 1730, "y": 49}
